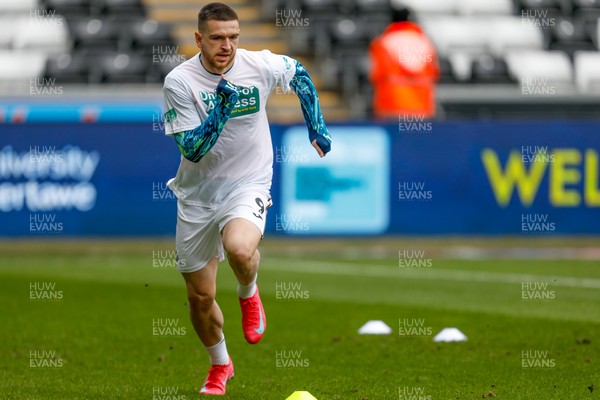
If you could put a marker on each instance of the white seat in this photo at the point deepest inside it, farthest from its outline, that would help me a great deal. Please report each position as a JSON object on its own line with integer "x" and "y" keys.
{"x": 536, "y": 68}
{"x": 47, "y": 35}
{"x": 7, "y": 31}
{"x": 587, "y": 3}
{"x": 587, "y": 71}
{"x": 457, "y": 34}
{"x": 462, "y": 65}
{"x": 510, "y": 33}
{"x": 18, "y": 66}
{"x": 486, "y": 7}
{"x": 427, "y": 6}
{"x": 18, "y": 6}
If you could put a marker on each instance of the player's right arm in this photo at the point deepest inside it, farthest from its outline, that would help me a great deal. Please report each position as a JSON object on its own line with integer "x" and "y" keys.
{"x": 195, "y": 143}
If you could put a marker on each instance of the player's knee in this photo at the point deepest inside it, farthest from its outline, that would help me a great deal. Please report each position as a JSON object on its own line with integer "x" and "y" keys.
{"x": 240, "y": 253}
{"x": 201, "y": 301}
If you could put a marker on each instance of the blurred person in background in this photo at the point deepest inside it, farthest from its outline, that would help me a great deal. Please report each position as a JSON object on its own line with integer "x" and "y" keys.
{"x": 404, "y": 70}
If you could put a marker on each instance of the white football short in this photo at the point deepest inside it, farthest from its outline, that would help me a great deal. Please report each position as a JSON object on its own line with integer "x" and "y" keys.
{"x": 198, "y": 233}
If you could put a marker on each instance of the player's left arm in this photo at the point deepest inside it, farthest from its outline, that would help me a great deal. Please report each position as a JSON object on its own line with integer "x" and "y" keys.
{"x": 311, "y": 109}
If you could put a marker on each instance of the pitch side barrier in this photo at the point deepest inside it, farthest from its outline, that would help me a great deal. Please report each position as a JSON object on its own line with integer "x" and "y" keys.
{"x": 413, "y": 177}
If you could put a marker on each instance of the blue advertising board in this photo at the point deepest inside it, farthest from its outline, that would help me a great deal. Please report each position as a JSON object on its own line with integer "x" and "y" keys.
{"x": 476, "y": 178}
{"x": 498, "y": 178}
{"x": 86, "y": 179}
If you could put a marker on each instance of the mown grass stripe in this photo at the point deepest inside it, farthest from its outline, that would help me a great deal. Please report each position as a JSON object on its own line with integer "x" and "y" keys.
{"x": 347, "y": 269}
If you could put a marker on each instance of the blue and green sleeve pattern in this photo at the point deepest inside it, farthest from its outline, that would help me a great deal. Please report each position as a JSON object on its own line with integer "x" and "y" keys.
{"x": 309, "y": 100}
{"x": 195, "y": 143}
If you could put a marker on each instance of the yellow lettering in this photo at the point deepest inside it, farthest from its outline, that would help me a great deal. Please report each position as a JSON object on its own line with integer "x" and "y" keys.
{"x": 592, "y": 193}
{"x": 515, "y": 174}
{"x": 561, "y": 175}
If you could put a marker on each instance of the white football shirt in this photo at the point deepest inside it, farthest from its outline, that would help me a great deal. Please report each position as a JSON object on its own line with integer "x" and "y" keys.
{"x": 243, "y": 154}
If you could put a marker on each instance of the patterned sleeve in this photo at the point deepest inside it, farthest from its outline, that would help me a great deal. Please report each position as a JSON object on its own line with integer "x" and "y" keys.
{"x": 289, "y": 73}
{"x": 311, "y": 109}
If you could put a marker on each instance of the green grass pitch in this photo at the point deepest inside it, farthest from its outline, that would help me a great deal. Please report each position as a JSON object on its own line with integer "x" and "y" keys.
{"x": 109, "y": 320}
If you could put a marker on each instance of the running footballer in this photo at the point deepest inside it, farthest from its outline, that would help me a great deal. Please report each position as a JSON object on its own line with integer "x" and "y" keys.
{"x": 215, "y": 110}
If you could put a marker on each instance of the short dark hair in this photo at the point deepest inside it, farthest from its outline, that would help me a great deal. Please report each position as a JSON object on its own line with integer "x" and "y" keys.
{"x": 217, "y": 12}
{"x": 401, "y": 14}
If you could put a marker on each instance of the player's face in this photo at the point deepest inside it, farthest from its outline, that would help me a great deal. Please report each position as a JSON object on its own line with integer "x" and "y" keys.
{"x": 218, "y": 44}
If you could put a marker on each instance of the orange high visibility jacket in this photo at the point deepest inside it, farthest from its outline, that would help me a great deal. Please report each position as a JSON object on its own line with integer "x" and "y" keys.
{"x": 404, "y": 70}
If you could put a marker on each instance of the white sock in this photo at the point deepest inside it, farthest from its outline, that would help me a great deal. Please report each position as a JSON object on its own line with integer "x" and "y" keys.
{"x": 218, "y": 353}
{"x": 244, "y": 291}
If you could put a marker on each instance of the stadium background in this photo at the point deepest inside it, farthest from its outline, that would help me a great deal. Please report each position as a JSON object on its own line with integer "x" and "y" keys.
{"x": 80, "y": 76}
{"x": 84, "y": 165}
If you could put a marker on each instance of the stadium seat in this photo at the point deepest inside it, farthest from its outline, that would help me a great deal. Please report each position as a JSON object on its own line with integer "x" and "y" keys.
{"x": 566, "y": 30}
{"x": 18, "y": 6}
{"x": 321, "y": 14}
{"x": 570, "y": 36}
{"x": 588, "y": 10}
{"x": 590, "y": 26}
{"x": 95, "y": 35}
{"x": 44, "y": 35}
{"x": 146, "y": 35}
{"x": 120, "y": 68}
{"x": 509, "y": 33}
{"x": 316, "y": 40}
{"x": 347, "y": 38}
{"x": 490, "y": 70}
{"x": 554, "y": 66}
{"x": 456, "y": 34}
{"x": 571, "y": 48}
{"x": 345, "y": 34}
{"x": 587, "y": 3}
{"x": 589, "y": 19}
{"x": 7, "y": 31}
{"x": 321, "y": 7}
{"x": 366, "y": 8}
{"x": 346, "y": 30}
{"x": 487, "y": 7}
{"x": 587, "y": 71}
{"x": 120, "y": 7}
{"x": 540, "y": 4}
{"x": 374, "y": 25}
{"x": 352, "y": 67}
{"x": 424, "y": 7}
{"x": 21, "y": 66}
{"x": 160, "y": 70}
{"x": 70, "y": 8}
{"x": 446, "y": 71}
{"x": 462, "y": 64}
{"x": 543, "y": 21}
{"x": 68, "y": 68}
